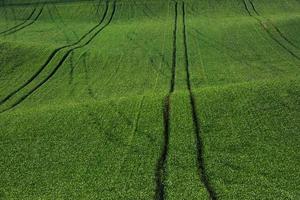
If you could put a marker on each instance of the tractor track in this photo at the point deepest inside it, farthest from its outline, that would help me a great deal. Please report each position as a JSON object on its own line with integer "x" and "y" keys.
{"x": 63, "y": 23}
{"x": 72, "y": 68}
{"x": 264, "y": 26}
{"x": 52, "y": 56}
{"x": 98, "y": 6}
{"x": 275, "y": 27}
{"x": 199, "y": 144}
{"x": 139, "y": 5}
{"x": 151, "y": 58}
{"x": 160, "y": 173}
{"x": 174, "y": 50}
{"x": 150, "y": 12}
{"x": 131, "y": 137}
{"x": 74, "y": 65}
{"x": 230, "y": 52}
{"x": 87, "y": 78}
{"x": 58, "y": 26}
{"x": 61, "y": 62}
{"x": 27, "y": 25}
{"x": 121, "y": 114}
{"x": 45, "y": 2}
{"x": 18, "y": 25}
{"x": 66, "y": 37}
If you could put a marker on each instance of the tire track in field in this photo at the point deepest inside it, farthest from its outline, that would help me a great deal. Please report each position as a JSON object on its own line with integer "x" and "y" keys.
{"x": 20, "y": 24}
{"x": 199, "y": 144}
{"x": 97, "y": 10}
{"x": 52, "y": 56}
{"x": 26, "y": 25}
{"x": 270, "y": 34}
{"x": 151, "y": 58}
{"x": 131, "y": 137}
{"x": 281, "y": 34}
{"x": 229, "y": 51}
{"x": 46, "y": 2}
{"x": 73, "y": 66}
{"x": 87, "y": 78}
{"x": 160, "y": 173}
{"x": 58, "y": 26}
{"x": 63, "y": 23}
{"x": 71, "y": 73}
{"x": 61, "y": 62}
{"x": 139, "y": 5}
{"x": 150, "y": 12}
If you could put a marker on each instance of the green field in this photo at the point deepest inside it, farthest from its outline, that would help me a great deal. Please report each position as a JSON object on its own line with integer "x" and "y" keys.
{"x": 150, "y": 99}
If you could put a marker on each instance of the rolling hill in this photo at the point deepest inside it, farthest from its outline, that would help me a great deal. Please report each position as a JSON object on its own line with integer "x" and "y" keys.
{"x": 150, "y": 99}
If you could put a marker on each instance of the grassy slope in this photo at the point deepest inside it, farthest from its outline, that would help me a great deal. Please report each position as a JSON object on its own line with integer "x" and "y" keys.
{"x": 95, "y": 129}
{"x": 250, "y": 126}
{"x": 94, "y": 134}
{"x": 251, "y": 139}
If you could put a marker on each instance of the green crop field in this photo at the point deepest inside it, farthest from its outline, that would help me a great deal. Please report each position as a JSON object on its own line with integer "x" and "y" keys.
{"x": 150, "y": 99}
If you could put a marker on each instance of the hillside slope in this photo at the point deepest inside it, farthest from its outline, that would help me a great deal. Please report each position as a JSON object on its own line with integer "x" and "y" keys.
{"x": 150, "y": 99}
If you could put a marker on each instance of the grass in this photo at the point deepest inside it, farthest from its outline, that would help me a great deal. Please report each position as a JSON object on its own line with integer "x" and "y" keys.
{"x": 250, "y": 135}
{"x": 162, "y": 100}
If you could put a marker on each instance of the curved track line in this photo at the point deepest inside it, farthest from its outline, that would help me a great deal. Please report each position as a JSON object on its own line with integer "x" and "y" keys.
{"x": 160, "y": 173}
{"x": 50, "y": 58}
{"x": 66, "y": 35}
{"x": 199, "y": 144}
{"x": 131, "y": 137}
{"x": 264, "y": 26}
{"x": 45, "y": 2}
{"x": 27, "y": 25}
{"x": 66, "y": 55}
{"x": 18, "y": 25}
{"x": 275, "y": 27}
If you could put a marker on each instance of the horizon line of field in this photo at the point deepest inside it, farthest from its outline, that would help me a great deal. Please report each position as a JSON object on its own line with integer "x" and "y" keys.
{"x": 89, "y": 36}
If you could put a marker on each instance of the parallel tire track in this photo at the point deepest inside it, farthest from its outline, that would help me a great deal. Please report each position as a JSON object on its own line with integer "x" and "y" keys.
{"x": 275, "y": 27}
{"x": 67, "y": 38}
{"x": 51, "y": 57}
{"x": 61, "y": 62}
{"x": 174, "y": 50}
{"x": 21, "y": 24}
{"x": 45, "y": 2}
{"x": 27, "y": 25}
{"x": 264, "y": 26}
{"x": 131, "y": 137}
{"x": 160, "y": 173}
{"x": 199, "y": 144}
